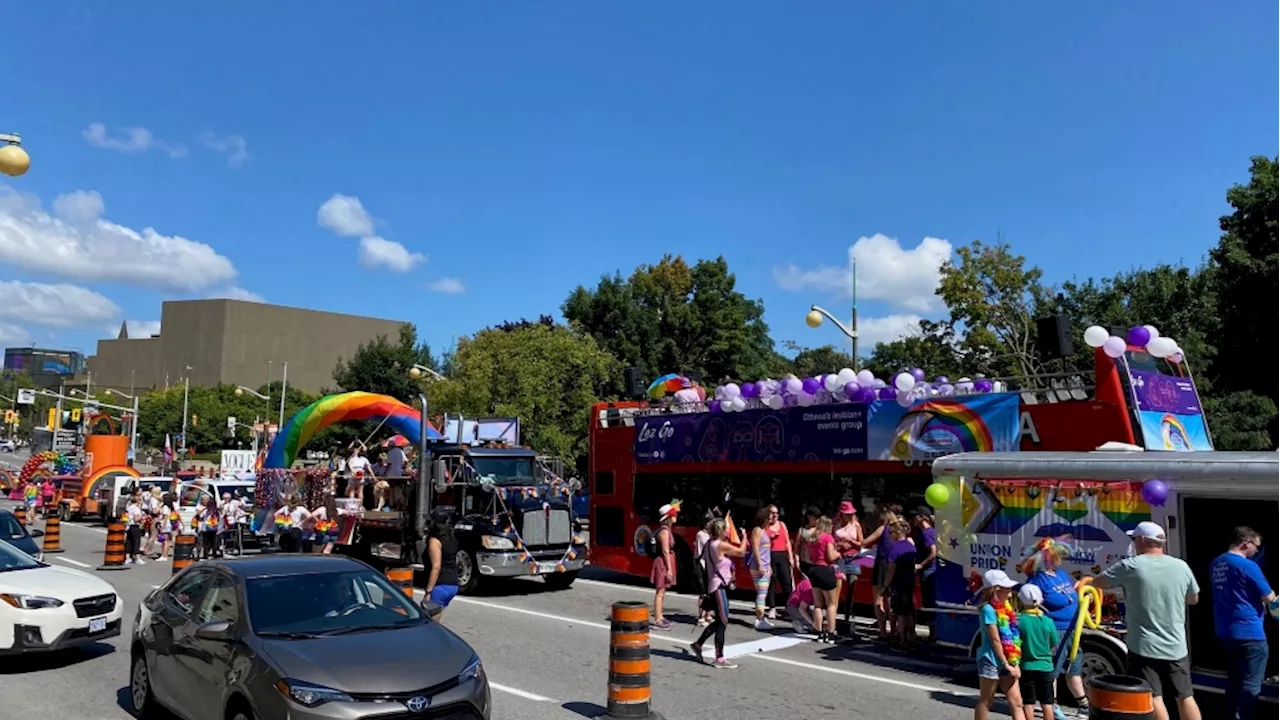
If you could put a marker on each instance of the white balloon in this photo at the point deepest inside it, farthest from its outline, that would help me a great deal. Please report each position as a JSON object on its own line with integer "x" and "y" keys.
{"x": 738, "y": 404}
{"x": 1154, "y": 332}
{"x": 732, "y": 391}
{"x": 1114, "y": 347}
{"x": 774, "y": 401}
{"x": 1162, "y": 347}
{"x": 865, "y": 378}
{"x": 726, "y": 405}
{"x": 846, "y": 375}
{"x": 1095, "y": 336}
{"x": 804, "y": 399}
{"x": 831, "y": 382}
{"x": 904, "y": 382}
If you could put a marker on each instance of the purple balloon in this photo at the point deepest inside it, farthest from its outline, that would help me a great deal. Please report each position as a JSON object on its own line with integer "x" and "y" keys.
{"x": 810, "y": 386}
{"x": 918, "y": 374}
{"x": 983, "y": 385}
{"x": 750, "y": 390}
{"x": 1138, "y": 336}
{"x": 1155, "y": 492}
{"x": 851, "y": 390}
{"x": 789, "y": 401}
{"x": 887, "y": 393}
{"x": 865, "y": 395}
{"x": 713, "y": 406}
{"x": 941, "y": 380}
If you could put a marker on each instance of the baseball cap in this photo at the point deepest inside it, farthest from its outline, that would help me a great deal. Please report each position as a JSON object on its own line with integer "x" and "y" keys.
{"x": 925, "y": 511}
{"x": 997, "y": 578}
{"x": 1030, "y": 595}
{"x": 1149, "y": 530}
{"x": 846, "y": 508}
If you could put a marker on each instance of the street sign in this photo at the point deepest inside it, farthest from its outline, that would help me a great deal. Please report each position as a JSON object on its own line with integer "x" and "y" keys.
{"x": 26, "y": 396}
{"x": 64, "y": 441}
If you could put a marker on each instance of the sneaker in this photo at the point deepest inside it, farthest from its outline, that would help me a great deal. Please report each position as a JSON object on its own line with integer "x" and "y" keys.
{"x": 724, "y": 664}
{"x": 663, "y": 624}
{"x": 696, "y": 648}
{"x": 1058, "y": 714}
{"x": 763, "y": 624}
{"x": 141, "y": 561}
{"x": 128, "y": 561}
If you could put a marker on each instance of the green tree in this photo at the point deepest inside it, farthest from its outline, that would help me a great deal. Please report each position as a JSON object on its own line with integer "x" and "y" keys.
{"x": 547, "y": 376}
{"x": 811, "y": 362}
{"x": 671, "y": 317}
{"x": 160, "y": 414}
{"x": 29, "y": 416}
{"x": 1246, "y": 282}
{"x": 933, "y": 347}
{"x": 382, "y": 366}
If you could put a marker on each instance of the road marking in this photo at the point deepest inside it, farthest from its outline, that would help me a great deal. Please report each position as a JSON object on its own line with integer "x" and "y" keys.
{"x": 77, "y": 563}
{"x": 766, "y": 643}
{"x": 519, "y": 693}
{"x": 546, "y": 616}
{"x": 862, "y": 676}
{"x": 649, "y": 591}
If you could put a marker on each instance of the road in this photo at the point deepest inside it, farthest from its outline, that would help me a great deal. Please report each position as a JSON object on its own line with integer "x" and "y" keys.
{"x": 546, "y": 655}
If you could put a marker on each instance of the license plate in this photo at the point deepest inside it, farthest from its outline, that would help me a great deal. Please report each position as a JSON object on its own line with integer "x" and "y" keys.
{"x": 546, "y": 567}
{"x": 97, "y": 625}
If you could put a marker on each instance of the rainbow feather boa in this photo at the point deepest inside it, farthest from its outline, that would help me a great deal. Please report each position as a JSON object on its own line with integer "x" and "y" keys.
{"x": 1010, "y": 640}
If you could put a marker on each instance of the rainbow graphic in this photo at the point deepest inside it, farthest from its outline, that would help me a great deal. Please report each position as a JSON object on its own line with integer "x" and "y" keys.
{"x": 1174, "y": 433}
{"x": 940, "y": 426}
{"x": 339, "y": 408}
{"x": 1123, "y": 505}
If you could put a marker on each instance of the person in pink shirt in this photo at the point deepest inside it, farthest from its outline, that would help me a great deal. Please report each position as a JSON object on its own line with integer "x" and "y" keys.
{"x": 782, "y": 559}
{"x": 800, "y": 607}
{"x": 718, "y": 565}
{"x": 826, "y": 581}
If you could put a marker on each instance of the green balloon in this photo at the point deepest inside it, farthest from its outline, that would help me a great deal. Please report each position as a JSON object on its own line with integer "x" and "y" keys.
{"x": 937, "y": 495}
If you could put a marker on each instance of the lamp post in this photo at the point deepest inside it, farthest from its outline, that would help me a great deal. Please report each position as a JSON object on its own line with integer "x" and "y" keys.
{"x": 284, "y": 390}
{"x": 240, "y": 391}
{"x": 417, "y": 371}
{"x": 14, "y": 161}
{"x": 133, "y": 422}
{"x": 814, "y": 319}
{"x": 186, "y": 395}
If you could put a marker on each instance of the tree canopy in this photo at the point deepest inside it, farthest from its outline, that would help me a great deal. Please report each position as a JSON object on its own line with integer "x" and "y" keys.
{"x": 382, "y": 366}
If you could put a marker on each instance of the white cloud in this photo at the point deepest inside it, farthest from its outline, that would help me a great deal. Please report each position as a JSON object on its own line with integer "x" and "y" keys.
{"x": 233, "y": 146}
{"x": 903, "y": 278}
{"x": 134, "y": 140}
{"x": 380, "y": 252}
{"x": 60, "y": 306}
{"x": 345, "y": 216}
{"x": 448, "y": 286}
{"x": 236, "y": 293}
{"x": 13, "y": 335}
{"x": 76, "y": 242}
{"x": 875, "y": 330}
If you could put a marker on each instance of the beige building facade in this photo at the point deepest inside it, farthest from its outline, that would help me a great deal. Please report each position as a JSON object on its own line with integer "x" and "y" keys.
{"x": 237, "y": 343}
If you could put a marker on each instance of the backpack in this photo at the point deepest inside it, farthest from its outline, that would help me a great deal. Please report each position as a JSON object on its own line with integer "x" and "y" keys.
{"x": 651, "y": 547}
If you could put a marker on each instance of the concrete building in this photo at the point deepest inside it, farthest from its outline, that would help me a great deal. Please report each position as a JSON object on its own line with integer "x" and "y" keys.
{"x": 237, "y": 343}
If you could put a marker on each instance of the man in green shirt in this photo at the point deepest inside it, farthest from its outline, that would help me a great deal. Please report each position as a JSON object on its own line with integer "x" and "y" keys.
{"x": 1157, "y": 590}
{"x": 1039, "y": 638}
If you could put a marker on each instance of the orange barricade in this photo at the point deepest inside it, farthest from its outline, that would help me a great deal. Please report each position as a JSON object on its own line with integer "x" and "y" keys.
{"x": 113, "y": 556}
{"x": 184, "y": 552}
{"x": 20, "y": 513}
{"x": 629, "y": 682}
{"x": 52, "y": 535}
{"x": 1120, "y": 697}
{"x": 402, "y": 578}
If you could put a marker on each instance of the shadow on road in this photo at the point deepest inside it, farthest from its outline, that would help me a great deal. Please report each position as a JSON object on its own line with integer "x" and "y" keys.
{"x": 585, "y": 709}
{"x": 39, "y": 662}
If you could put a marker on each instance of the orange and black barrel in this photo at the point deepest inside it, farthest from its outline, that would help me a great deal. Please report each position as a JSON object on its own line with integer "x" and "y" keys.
{"x": 629, "y": 693}
{"x": 20, "y": 513}
{"x": 184, "y": 552}
{"x": 113, "y": 554}
{"x": 52, "y": 535}
{"x": 402, "y": 577}
{"x": 1120, "y": 697}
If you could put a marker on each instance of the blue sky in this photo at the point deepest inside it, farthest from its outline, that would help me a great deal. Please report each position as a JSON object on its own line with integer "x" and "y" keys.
{"x": 505, "y": 152}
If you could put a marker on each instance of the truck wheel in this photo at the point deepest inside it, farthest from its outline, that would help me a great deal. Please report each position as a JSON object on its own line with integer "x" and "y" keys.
{"x": 560, "y": 580}
{"x": 64, "y": 513}
{"x": 468, "y": 572}
{"x": 1100, "y": 658}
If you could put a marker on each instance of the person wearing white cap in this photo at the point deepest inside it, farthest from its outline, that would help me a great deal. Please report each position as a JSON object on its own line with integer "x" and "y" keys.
{"x": 997, "y": 671}
{"x": 1157, "y": 590}
{"x": 1039, "y": 638}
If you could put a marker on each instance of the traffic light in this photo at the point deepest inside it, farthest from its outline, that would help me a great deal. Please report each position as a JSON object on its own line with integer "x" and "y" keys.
{"x": 53, "y": 418}
{"x": 10, "y": 417}
{"x": 75, "y": 415}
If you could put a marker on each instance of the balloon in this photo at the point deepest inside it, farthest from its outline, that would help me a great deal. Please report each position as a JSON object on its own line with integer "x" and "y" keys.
{"x": 937, "y": 495}
{"x": 865, "y": 378}
{"x": 1177, "y": 358}
{"x": 918, "y": 374}
{"x": 1154, "y": 332}
{"x": 726, "y": 405}
{"x": 1095, "y": 336}
{"x": 941, "y": 380}
{"x": 1155, "y": 492}
{"x": 905, "y": 399}
{"x": 774, "y": 402}
{"x": 792, "y": 386}
{"x": 713, "y": 406}
{"x": 866, "y": 395}
{"x": 904, "y": 381}
{"x": 1138, "y": 336}
{"x": 846, "y": 376}
{"x": 946, "y": 389}
{"x": 851, "y": 390}
{"x": 738, "y": 404}
{"x": 983, "y": 385}
{"x": 878, "y": 383}
{"x": 1114, "y": 347}
{"x": 804, "y": 399}
{"x": 731, "y": 391}
{"x": 832, "y": 382}
{"x": 1162, "y": 347}
{"x": 887, "y": 393}
{"x": 810, "y": 386}
{"x": 790, "y": 400}
{"x": 964, "y": 386}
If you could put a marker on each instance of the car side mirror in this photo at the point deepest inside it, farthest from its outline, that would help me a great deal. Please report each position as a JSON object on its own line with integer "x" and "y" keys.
{"x": 432, "y": 609}
{"x": 36, "y": 533}
{"x": 218, "y": 630}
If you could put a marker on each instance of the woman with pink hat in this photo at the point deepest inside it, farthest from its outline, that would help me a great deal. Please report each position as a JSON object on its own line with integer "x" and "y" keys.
{"x": 848, "y": 534}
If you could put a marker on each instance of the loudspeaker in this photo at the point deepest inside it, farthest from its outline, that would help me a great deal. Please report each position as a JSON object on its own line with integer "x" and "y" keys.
{"x": 1053, "y": 337}
{"x": 634, "y": 382}
{"x": 694, "y": 375}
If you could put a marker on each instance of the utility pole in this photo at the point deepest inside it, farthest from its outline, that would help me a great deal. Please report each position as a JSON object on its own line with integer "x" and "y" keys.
{"x": 284, "y": 387}
{"x": 853, "y": 291}
{"x": 186, "y": 394}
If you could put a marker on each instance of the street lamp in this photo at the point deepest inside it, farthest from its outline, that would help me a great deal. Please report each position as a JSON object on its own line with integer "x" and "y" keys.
{"x": 241, "y": 390}
{"x": 133, "y": 421}
{"x": 814, "y": 319}
{"x": 417, "y": 371}
{"x": 14, "y": 161}
{"x": 186, "y": 394}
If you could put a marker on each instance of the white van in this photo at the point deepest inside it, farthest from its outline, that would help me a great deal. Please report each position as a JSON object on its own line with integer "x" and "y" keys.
{"x": 192, "y": 494}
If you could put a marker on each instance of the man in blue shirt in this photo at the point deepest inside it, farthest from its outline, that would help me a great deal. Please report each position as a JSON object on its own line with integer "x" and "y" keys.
{"x": 1241, "y": 596}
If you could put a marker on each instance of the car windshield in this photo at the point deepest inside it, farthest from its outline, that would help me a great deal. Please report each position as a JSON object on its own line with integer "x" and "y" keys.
{"x": 10, "y": 529}
{"x": 11, "y": 558}
{"x": 333, "y": 603}
{"x": 505, "y": 470}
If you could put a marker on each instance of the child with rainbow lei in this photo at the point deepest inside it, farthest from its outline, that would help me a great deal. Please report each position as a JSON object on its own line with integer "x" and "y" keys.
{"x": 1000, "y": 650}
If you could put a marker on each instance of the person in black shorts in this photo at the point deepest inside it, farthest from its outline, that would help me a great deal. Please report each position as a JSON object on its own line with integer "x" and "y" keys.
{"x": 900, "y": 581}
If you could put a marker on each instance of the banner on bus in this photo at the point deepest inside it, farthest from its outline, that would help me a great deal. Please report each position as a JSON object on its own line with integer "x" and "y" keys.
{"x": 882, "y": 430}
{"x": 1169, "y": 412}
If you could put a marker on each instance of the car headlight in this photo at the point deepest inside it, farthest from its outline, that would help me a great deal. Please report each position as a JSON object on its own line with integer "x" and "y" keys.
{"x": 493, "y": 542}
{"x": 473, "y": 671}
{"x": 31, "y": 602}
{"x": 310, "y": 695}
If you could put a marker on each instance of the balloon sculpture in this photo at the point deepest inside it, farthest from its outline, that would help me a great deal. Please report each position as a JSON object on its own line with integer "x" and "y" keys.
{"x": 1144, "y": 337}
{"x": 906, "y": 388}
{"x": 62, "y": 465}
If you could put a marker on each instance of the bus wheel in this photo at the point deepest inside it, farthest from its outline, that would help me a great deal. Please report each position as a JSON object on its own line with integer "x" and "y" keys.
{"x": 468, "y": 575}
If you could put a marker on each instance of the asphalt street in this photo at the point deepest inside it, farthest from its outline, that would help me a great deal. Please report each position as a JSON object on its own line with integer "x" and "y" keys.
{"x": 546, "y": 655}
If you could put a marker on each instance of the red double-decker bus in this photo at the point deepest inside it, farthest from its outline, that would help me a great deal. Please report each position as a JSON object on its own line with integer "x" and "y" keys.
{"x": 629, "y": 479}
